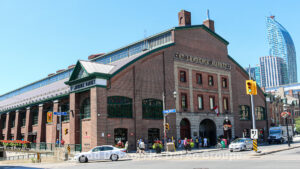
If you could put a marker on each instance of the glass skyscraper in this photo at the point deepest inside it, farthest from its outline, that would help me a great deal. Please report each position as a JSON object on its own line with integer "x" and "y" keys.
{"x": 282, "y": 45}
{"x": 271, "y": 71}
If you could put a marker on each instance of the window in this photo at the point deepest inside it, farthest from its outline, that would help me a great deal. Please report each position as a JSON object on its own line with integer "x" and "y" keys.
{"x": 199, "y": 78}
{"x": 13, "y": 119}
{"x": 152, "y": 109}
{"x": 35, "y": 117}
{"x": 211, "y": 102}
{"x": 225, "y": 103}
{"x": 184, "y": 101}
{"x": 85, "y": 109}
{"x": 260, "y": 113}
{"x": 200, "y": 102}
{"x": 23, "y": 119}
{"x": 65, "y": 108}
{"x": 210, "y": 80}
{"x": 4, "y": 122}
{"x": 224, "y": 82}
{"x": 119, "y": 107}
{"x": 245, "y": 112}
{"x": 182, "y": 76}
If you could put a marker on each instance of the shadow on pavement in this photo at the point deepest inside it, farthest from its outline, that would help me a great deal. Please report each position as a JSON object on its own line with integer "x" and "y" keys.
{"x": 17, "y": 167}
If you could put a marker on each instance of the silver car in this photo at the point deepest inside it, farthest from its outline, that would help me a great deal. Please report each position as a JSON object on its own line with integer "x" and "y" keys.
{"x": 241, "y": 144}
{"x": 101, "y": 153}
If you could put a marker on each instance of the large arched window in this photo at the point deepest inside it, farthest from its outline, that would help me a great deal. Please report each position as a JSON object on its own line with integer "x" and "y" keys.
{"x": 260, "y": 113}
{"x": 245, "y": 112}
{"x": 65, "y": 108}
{"x": 119, "y": 107}
{"x": 152, "y": 109}
{"x": 85, "y": 109}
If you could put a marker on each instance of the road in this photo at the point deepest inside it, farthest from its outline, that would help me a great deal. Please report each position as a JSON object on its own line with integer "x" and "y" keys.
{"x": 289, "y": 159}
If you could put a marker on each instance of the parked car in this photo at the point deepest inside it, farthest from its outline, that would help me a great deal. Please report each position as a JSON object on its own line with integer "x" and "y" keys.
{"x": 105, "y": 152}
{"x": 241, "y": 144}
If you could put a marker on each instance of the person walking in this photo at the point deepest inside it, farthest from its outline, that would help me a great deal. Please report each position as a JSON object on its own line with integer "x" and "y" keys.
{"x": 197, "y": 142}
{"x": 126, "y": 146}
{"x": 142, "y": 147}
{"x": 185, "y": 144}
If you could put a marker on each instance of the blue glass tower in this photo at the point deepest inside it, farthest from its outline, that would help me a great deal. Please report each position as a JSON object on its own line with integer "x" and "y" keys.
{"x": 282, "y": 45}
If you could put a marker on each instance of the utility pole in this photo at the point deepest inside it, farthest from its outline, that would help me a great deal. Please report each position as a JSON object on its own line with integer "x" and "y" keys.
{"x": 60, "y": 127}
{"x": 252, "y": 103}
{"x": 164, "y": 115}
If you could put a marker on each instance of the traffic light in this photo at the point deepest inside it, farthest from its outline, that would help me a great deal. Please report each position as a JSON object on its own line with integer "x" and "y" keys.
{"x": 167, "y": 126}
{"x": 49, "y": 117}
{"x": 66, "y": 131}
{"x": 251, "y": 87}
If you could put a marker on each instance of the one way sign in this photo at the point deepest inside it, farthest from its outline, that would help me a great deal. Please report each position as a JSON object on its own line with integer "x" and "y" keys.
{"x": 254, "y": 134}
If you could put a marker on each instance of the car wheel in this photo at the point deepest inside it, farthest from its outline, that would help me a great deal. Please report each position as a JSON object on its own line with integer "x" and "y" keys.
{"x": 114, "y": 157}
{"x": 83, "y": 159}
{"x": 231, "y": 150}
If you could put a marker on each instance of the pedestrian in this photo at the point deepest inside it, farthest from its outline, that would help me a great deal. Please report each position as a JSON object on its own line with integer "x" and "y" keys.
{"x": 197, "y": 142}
{"x": 126, "y": 146}
{"x": 142, "y": 147}
{"x": 205, "y": 142}
{"x": 57, "y": 142}
{"x": 185, "y": 144}
{"x": 62, "y": 142}
{"x": 138, "y": 146}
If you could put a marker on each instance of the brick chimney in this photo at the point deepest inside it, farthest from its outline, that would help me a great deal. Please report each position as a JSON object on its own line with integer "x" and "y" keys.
{"x": 209, "y": 23}
{"x": 184, "y": 18}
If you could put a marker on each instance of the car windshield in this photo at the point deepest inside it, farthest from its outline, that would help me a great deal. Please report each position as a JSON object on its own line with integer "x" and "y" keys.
{"x": 239, "y": 140}
{"x": 275, "y": 131}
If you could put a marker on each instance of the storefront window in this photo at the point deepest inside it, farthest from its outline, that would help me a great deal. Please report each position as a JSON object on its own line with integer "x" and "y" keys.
{"x": 260, "y": 113}
{"x": 245, "y": 112}
{"x": 119, "y": 107}
{"x": 152, "y": 109}
{"x": 120, "y": 135}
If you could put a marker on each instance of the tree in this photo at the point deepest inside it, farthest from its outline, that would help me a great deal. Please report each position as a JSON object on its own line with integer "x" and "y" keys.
{"x": 297, "y": 121}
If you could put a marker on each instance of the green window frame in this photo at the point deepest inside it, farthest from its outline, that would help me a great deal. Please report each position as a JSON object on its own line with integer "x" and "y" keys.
{"x": 35, "y": 117}
{"x": 4, "y": 122}
{"x": 85, "y": 109}
{"x": 65, "y": 108}
{"x": 119, "y": 107}
{"x": 23, "y": 119}
{"x": 152, "y": 109}
{"x": 13, "y": 120}
{"x": 260, "y": 113}
{"x": 245, "y": 112}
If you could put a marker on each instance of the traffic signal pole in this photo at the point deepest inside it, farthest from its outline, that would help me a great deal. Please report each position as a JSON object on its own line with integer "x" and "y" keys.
{"x": 60, "y": 127}
{"x": 252, "y": 104}
{"x": 164, "y": 115}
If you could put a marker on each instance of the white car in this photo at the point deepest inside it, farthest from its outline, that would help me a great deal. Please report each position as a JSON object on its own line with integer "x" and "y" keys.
{"x": 104, "y": 152}
{"x": 241, "y": 144}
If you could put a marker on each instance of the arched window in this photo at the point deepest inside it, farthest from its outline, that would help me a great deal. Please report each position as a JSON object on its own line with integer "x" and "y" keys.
{"x": 119, "y": 107}
{"x": 152, "y": 109}
{"x": 245, "y": 112}
{"x": 85, "y": 109}
{"x": 65, "y": 108}
{"x": 260, "y": 113}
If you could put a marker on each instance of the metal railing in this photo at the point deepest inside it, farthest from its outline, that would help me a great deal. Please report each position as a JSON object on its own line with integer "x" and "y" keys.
{"x": 47, "y": 147}
{"x": 27, "y": 156}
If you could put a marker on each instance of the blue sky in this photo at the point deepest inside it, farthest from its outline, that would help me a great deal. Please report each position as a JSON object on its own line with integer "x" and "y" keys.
{"x": 38, "y": 37}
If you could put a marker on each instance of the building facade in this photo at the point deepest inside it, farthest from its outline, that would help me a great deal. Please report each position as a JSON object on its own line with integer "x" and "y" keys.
{"x": 282, "y": 45}
{"x": 272, "y": 71}
{"x": 119, "y": 96}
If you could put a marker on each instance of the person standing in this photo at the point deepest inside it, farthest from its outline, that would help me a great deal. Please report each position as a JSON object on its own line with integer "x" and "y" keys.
{"x": 126, "y": 146}
{"x": 205, "y": 142}
{"x": 197, "y": 142}
{"x": 142, "y": 147}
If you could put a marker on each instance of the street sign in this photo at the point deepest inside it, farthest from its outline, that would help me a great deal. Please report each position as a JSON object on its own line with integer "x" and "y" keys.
{"x": 254, "y": 134}
{"x": 60, "y": 113}
{"x": 169, "y": 111}
{"x": 285, "y": 114}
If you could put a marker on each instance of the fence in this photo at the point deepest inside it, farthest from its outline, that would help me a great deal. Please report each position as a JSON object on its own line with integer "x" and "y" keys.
{"x": 49, "y": 147}
{"x": 27, "y": 156}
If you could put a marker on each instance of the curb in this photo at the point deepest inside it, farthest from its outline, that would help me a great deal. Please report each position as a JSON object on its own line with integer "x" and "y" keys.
{"x": 274, "y": 151}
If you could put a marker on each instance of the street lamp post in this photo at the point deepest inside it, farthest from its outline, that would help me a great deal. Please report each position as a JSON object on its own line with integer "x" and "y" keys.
{"x": 286, "y": 123}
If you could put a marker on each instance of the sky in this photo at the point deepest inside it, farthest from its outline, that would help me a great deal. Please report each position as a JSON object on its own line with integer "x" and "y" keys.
{"x": 39, "y": 37}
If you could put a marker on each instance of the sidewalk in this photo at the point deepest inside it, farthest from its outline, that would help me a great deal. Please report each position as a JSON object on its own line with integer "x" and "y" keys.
{"x": 176, "y": 153}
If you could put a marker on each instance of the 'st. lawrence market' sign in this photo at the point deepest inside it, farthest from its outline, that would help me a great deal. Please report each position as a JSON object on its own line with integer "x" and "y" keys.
{"x": 202, "y": 61}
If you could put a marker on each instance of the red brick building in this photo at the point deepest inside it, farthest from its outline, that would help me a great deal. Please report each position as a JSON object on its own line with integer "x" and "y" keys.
{"x": 119, "y": 95}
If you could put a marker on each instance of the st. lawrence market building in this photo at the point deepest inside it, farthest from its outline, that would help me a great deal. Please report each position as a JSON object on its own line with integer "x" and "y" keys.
{"x": 119, "y": 95}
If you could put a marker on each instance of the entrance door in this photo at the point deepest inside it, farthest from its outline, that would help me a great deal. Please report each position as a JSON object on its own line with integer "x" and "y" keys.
{"x": 153, "y": 134}
{"x": 208, "y": 130}
{"x": 185, "y": 129}
{"x": 120, "y": 135}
